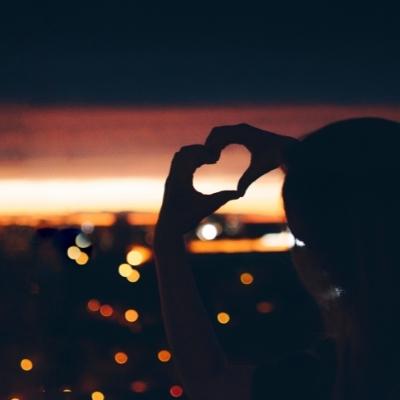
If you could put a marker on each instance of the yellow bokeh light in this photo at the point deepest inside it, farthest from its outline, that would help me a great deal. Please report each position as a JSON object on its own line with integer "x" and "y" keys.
{"x": 82, "y": 259}
{"x": 26, "y": 364}
{"x": 134, "y": 257}
{"x": 97, "y": 396}
{"x": 124, "y": 270}
{"x": 134, "y": 276}
{"x": 15, "y": 398}
{"x": 138, "y": 255}
{"x": 246, "y": 278}
{"x": 73, "y": 252}
{"x": 120, "y": 357}
{"x": 131, "y": 315}
{"x": 164, "y": 355}
{"x": 223, "y": 318}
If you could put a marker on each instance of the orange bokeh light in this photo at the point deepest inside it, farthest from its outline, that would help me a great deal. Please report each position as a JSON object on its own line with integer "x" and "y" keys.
{"x": 26, "y": 364}
{"x": 93, "y": 305}
{"x": 106, "y": 310}
{"x": 265, "y": 307}
{"x": 246, "y": 278}
{"x": 121, "y": 358}
{"x": 164, "y": 355}
{"x": 131, "y": 315}
{"x": 223, "y": 318}
{"x": 139, "y": 386}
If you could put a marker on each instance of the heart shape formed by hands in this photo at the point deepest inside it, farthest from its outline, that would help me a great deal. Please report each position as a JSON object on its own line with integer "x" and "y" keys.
{"x": 225, "y": 173}
{"x": 265, "y": 147}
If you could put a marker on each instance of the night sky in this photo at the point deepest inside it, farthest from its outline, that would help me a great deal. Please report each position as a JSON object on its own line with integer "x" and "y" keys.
{"x": 113, "y": 53}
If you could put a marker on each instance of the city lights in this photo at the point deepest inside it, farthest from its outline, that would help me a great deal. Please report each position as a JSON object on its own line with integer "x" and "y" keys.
{"x": 138, "y": 255}
{"x": 223, "y": 318}
{"x": 73, "y": 252}
{"x": 124, "y": 270}
{"x": 26, "y": 364}
{"x": 134, "y": 276}
{"x": 164, "y": 356}
{"x": 106, "y": 310}
{"x": 176, "y": 391}
{"x": 82, "y": 259}
{"x": 131, "y": 315}
{"x": 282, "y": 240}
{"x": 93, "y": 305}
{"x": 82, "y": 241}
{"x": 121, "y": 358}
{"x": 246, "y": 278}
{"x": 97, "y": 395}
{"x": 139, "y": 386}
{"x": 208, "y": 231}
{"x": 264, "y": 307}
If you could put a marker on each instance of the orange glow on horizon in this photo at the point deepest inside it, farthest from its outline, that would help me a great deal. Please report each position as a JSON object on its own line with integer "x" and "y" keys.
{"x": 100, "y": 160}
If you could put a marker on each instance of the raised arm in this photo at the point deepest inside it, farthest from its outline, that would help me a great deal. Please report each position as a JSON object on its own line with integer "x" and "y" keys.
{"x": 204, "y": 370}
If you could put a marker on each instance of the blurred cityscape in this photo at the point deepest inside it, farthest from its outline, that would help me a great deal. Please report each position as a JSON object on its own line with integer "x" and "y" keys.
{"x": 80, "y": 307}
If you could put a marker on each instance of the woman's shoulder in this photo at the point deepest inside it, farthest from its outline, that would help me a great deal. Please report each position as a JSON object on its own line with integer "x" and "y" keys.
{"x": 308, "y": 374}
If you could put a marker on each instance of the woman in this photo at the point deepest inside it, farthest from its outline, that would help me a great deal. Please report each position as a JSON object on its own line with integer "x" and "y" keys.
{"x": 340, "y": 201}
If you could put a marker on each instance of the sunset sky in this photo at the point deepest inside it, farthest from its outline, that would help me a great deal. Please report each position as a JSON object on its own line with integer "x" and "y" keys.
{"x": 58, "y": 160}
{"x": 94, "y": 101}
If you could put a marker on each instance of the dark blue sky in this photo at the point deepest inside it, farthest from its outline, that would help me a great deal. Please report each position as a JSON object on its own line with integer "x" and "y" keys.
{"x": 108, "y": 53}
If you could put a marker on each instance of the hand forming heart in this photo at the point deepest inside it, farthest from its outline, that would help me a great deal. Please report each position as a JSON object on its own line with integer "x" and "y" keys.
{"x": 183, "y": 207}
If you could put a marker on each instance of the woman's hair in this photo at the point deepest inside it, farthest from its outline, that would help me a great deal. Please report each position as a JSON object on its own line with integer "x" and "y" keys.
{"x": 341, "y": 200}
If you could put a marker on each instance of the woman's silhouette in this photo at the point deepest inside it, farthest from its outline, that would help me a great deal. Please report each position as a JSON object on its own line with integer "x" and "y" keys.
{"x": 341, "y": 201}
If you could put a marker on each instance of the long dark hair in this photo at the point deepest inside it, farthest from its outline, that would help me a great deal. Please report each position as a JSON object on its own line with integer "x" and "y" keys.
{"x": 342, "y": 200}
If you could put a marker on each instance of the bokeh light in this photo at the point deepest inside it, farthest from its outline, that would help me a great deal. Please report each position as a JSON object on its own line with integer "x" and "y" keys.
{"x": 134, "y": 276}
{"x": 73, "y": 252}
{"x": 176, "y": 391}
{"x": 246, "y": 278}
{"x": 106, "y": 310}
{"x": 93, "y": 305}
{"x": 164, "y": 356}
{"x": 138, "y": 255}
{"x": 131, "y": 315}
{"x": 82, "y": 259}
{"x": 139, "y": 386}
{"x": 82, "y": 241}
{"x": 97, "y": 395}
{"x": 26, "y": 364}
{"x": 121, "y": 358}
{"x": 264, "y": 307}
{"x": 124, "y": 270}
{"x": 207, "y": 231}
{"x": 87, "y": 227}
{"x": 223, "y": 318}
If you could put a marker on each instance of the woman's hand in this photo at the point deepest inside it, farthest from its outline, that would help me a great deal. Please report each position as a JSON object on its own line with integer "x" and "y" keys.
{"x": 266, "y": 149}
{"x": 183, "y": 207}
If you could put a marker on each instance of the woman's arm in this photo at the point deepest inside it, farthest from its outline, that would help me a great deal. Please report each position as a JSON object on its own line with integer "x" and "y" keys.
{"x": 204, "y": 370}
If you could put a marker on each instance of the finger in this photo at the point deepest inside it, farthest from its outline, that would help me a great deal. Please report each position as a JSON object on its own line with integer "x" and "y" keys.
{"x": 249, "y": 176}
{"x": 196, "y": 155}
{"x": 217, "y": 200}
{"x": 222, "y": 136}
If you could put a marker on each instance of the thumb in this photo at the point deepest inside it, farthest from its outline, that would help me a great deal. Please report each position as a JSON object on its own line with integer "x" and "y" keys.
{"x": 249, "y": 176}
{"x": 217, "y": 200}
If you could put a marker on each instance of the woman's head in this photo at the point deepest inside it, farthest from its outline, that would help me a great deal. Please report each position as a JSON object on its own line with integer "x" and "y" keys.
{"x": 341, "y": 200}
